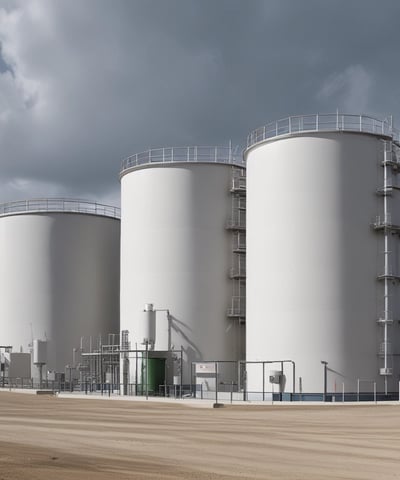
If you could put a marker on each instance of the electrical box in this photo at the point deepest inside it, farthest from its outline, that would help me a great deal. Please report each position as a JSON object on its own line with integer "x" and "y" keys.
{"x": 275, "y": 376}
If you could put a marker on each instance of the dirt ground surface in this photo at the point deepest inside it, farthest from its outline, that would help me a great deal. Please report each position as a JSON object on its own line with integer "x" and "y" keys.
{"x": 45, "y": 437}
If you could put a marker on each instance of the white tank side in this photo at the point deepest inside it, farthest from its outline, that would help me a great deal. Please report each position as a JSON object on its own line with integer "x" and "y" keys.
{"x": 313, "y": 260}
{"x": 176, "y": 253}
{"x": 59, "y": 280}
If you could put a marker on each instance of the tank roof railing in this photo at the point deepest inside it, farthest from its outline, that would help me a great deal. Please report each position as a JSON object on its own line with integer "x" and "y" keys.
{"x": 184, "y": 155}
{"x": 41, "y": 205}
{"x": 323, "y": 123}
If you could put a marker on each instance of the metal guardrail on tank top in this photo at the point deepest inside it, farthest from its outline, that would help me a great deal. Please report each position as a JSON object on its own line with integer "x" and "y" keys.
{"x": 56, "y": 205}
{"x": 184, "y": 155}
{"x": 323, "y": 123}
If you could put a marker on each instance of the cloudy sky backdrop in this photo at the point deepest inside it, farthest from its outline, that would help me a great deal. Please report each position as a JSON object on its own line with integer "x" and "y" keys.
{"x": 84, "y": 84}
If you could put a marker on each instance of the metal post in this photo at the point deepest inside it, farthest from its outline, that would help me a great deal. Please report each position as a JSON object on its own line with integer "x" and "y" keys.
{"x": 358, "y": 389}
{"x": 181, "y": 378}
{"x": 294, "y": 377}
{"x": 301, "y": 388}
{"x": 136, "y": 374}
{"x": 147, "y": 370}
{"x": 343, "y": 392}
{"x": 239, "y": 382}
{"x": 169, "y": 322}
{"x": 325, "y": 364}
{"x": 245, "y": 382}
{"x": 231, "y": 391}
{"x": 375, "y": 392}
{"x": 216, "y": 383}
{"x": 192, "y": 380}
{"x": 4, "y": 368}
{"x": 263, "y": 382}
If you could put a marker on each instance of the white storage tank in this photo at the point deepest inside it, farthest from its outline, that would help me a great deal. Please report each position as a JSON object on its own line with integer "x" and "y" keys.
{"x": 59, "y": 275}
{"x": 321, "y": 281}
{"x": 177, "y": 252}
{"x": 147, "y": 324}
{"x": 39, "y": 352}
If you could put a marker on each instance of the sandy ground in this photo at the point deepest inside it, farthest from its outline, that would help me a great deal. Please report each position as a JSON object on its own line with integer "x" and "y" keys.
{"x": 59, "y": 439}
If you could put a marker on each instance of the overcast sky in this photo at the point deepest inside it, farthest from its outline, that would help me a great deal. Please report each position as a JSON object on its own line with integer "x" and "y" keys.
{"x": 85, "y": 83}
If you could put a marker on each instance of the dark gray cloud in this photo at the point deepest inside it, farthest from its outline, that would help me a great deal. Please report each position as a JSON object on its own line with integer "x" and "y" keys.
{"x": 84, "y": 84}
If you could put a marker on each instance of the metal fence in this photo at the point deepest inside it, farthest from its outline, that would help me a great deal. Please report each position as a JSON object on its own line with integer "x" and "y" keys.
{"x": 228, "y": 392}
{"x": 184, "y": 155}
{"x": 59, "y": 205}
{"x": 323, "y": 123}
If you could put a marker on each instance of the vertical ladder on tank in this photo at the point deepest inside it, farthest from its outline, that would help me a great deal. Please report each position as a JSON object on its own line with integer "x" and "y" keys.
{"x": 385, "y": 224}
{"x": 237, "y": 225}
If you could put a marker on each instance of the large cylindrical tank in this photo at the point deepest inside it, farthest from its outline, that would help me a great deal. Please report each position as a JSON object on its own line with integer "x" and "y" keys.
{"x": 59, "y": 275}
{"x": 176, "y": 252}
{"x": 314, "y": 187}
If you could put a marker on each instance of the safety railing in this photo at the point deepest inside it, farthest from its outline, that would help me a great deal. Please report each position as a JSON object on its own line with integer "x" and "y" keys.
{"x": 239, "y": 241}
{"x": 323, "y": 123}
{"x": 239, "y": 266}
{"x": 59, "y": 205}
{"x": 237, "y": 307}
{"x": 183, "y": 155}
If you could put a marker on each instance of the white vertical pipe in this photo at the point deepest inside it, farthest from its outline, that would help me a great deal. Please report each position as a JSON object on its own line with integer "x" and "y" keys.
{"x": 343, "y": 392}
